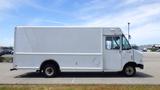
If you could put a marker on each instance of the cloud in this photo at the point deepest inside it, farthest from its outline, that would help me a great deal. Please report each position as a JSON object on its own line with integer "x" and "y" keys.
{"x": 142, "y": 14}
{"x": 42, "y": 21}
{"x": 6, "y": 41}
{"x": 146, "y": 34}
{"x": 142, "y": 18}
{"x": 6, "y": 4}
{"x": 51, "y": 7}
{"x": 5, "y": 7}
{"x": 10, "y": 4}
{"x": 126, "y": 2}
{"x": 133, "y": 15}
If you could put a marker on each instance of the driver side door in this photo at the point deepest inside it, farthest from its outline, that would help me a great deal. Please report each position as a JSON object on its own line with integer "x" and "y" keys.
{"x": 112, "y": 53}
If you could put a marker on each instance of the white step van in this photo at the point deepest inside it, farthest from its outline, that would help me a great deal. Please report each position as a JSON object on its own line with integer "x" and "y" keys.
{"x": 52, "y": 50}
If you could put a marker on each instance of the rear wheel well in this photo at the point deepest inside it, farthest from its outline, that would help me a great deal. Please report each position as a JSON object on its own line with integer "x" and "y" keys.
{"x": 49, "y": 61}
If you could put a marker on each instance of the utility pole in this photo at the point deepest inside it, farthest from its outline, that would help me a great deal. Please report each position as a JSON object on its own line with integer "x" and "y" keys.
{"x": 128, "y": 30}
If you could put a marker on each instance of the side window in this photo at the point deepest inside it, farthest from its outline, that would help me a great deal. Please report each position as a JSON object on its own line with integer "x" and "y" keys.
{"x": 125, "y": 44}
{"x": 112, "y": 42}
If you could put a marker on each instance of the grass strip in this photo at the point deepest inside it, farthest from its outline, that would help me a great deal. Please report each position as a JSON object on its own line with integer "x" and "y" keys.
{"x": 80, "y": 87}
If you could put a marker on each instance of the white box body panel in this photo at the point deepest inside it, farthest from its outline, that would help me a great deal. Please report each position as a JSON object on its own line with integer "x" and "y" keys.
{"x": 67, "y": 62}
{"x": 74, "y": 49}
{"x": 58, "y": 40}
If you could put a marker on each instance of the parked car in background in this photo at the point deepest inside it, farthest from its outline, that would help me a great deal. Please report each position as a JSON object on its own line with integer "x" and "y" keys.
{"x": 6, "y": 52}
{"x": 158, "y": 50}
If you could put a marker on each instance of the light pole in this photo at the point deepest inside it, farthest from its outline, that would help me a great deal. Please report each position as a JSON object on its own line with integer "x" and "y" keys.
{"x": 128, "y": 30}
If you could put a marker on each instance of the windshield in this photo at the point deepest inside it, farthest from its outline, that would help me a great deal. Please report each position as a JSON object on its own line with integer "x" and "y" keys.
{"x": 125, "y": 43}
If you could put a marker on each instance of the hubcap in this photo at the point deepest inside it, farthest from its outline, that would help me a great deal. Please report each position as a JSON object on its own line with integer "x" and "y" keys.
{"x": 49, "y": 71}
{"x": 129, "y": 70}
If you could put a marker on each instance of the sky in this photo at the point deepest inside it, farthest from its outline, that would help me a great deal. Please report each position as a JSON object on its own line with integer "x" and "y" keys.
{"x": 143, "y": 15}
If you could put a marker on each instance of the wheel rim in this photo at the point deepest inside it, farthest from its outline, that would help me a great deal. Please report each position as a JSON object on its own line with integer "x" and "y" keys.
{"x": 49, "y": 71}
{"x": 129, "y": 70}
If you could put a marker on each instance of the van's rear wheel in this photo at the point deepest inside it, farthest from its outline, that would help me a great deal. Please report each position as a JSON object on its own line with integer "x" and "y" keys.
{"x": 129, "y": 70}
{"x": 50, "y": 70}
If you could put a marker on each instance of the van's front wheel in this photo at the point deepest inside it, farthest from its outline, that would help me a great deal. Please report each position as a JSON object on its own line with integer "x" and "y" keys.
{"x": 129, "y": 71}
{"x": 50, "y": 70}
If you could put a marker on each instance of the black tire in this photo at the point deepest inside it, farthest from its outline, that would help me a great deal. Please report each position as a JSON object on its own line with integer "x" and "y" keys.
{"x": 129, "y": 71}
{"x": 50, "y": 70}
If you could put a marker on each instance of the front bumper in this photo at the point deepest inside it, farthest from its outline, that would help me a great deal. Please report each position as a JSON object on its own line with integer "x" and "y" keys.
{"x": 141, "y": 66}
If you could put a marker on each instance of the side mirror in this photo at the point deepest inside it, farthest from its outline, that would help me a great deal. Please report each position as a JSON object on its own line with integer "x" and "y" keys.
{"x": 129, "y": 36}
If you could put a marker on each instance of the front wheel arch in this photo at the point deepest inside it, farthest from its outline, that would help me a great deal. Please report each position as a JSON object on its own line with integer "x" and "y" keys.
{"x": 129, "y": 66}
